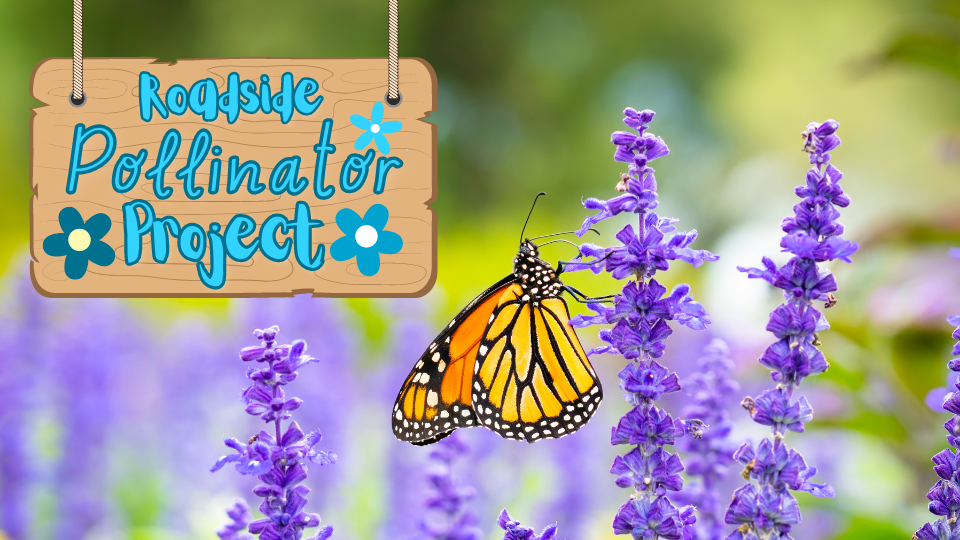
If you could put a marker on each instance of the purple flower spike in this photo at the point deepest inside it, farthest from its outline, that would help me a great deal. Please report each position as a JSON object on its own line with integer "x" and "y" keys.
{"x": 275, "y": 457}
{"x": 640, "y": 317}
{"x": 945, "y": 495}
{"x": 451, "y": 520}
{"x": 767, "y": 509}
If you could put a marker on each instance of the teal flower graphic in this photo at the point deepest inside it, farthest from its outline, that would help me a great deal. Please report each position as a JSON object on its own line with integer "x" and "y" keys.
{"x": 80, "y": 242}
{"x": 365, "y": 238}
{"x": 375, "y": 128}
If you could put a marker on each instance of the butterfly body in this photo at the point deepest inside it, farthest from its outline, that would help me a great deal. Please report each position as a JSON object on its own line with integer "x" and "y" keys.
{"x": 509, "y": 361}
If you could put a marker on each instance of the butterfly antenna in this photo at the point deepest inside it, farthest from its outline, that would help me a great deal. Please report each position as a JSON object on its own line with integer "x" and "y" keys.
{"x": 530, "y": 214}
{"x": 561, "y": 240}
{"x": 559, "y": 233}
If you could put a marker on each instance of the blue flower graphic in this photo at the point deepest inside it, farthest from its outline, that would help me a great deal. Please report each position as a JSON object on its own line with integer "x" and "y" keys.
{"x": 365, "y": 238}
{"x": 375, "y": 128}
{"x": 80, "y": 242}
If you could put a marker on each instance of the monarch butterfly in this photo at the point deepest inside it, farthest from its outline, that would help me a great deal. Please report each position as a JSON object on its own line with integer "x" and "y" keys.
{"x": 509, "y": 361}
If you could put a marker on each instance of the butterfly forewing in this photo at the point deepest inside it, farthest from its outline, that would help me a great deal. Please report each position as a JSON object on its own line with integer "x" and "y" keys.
{"x": 532, "y": 378}
{"x": 436, "y": 396}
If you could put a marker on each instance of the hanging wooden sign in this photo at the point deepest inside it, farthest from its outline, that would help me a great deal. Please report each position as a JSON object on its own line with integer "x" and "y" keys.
{"x": 233, "y": 177}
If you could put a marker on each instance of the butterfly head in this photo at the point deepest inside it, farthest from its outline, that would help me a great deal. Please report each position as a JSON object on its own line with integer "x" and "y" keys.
{"x": 529, "y": 249}
{"x": 536, "y": 277}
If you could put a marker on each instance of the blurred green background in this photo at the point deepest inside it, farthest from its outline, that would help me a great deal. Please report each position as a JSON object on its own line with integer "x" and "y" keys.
{"x": 529, "y": 93}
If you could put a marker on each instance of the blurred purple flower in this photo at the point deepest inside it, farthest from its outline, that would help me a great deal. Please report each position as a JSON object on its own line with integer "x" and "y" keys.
{"x": 709, "y": 457}
{"x": 514, "y": 531}
{"x": 240, "y": 518}
{"x": 276, "y": 458}
{"x": 25, "y": 321}
{"x": 92, "y": 341}
{"x": 409, "y": 328}
{"x": 575, "y": 494}
{"x": 451, "y": 521}
{"x": 767, "y": 509}
{"x": 640, "y": 316}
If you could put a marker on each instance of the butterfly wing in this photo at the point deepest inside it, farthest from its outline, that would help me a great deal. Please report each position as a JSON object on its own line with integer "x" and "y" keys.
{"x": 533, "y": 380}
{"x": 435, "y": 398}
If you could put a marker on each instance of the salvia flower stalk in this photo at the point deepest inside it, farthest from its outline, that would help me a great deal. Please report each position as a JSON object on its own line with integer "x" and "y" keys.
{"x": 708, "y": 458}
{"x": 447, "y": 500}
{"x": 277, "y": 457}
{"x": 945, "y": 494}
{"x": 513, "y": 530}
{"x": 639, "y": 317}
{"x": 765, "y": 508}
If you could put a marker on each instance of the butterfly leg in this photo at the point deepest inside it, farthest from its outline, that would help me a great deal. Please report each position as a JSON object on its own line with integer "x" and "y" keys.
{"x": 584, "y": 299}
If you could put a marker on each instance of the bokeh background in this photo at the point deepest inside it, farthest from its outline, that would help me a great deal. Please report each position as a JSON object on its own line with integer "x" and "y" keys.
{"x": 112, "y": 412}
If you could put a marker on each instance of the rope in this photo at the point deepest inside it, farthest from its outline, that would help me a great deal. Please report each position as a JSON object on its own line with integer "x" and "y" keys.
{"x": 393, "y": 66}
{"x": 77, "y": 96}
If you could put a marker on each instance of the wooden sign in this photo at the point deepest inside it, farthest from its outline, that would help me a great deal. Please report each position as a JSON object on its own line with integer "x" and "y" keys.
{"x": 233, "y": 177}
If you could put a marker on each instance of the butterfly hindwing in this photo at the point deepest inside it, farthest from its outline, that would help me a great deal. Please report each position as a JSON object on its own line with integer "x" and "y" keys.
{"x": 532, "y": 378}
{"x": 435, "y": 398}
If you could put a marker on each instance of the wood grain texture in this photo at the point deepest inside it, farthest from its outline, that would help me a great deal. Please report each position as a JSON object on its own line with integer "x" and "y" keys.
{"x": 349, "y": 86}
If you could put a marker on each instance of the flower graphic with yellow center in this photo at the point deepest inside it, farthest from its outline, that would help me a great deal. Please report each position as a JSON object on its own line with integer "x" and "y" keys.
{"x": 80, "y": 242}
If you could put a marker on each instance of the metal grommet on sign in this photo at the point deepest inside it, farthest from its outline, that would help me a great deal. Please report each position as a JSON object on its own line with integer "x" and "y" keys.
{"x": 393, "y": 102}
{"x": 78, "y": 102}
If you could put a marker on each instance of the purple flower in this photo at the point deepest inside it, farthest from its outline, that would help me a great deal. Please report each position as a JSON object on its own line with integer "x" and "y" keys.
{"x": 647, "y": 381}
{"x": 647, "y": 426}
{"x": 451, "y": 519}
{"x": 640, "y": 316}
{"x": 945, "y": 494}
{"x": 658, "y": 473}
{"x": 766, "y": 509}
{"x": 240, "y": 517}
{"x": 251, "y": 459}
{"x": 514, "y": 531}
{"x": 944, "y": 498}
{"x": 812, "y": 235}
{"x": 773, "y": 464}
{"x": 277, "y": 458}
{"x": 938, "y": 530}
{"x": 773, "y": 408}
{"x": 647, "y": 518}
